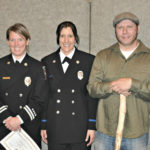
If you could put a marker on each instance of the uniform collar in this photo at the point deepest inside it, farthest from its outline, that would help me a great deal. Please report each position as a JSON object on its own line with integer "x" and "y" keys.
{"x": 62, "y": 56}
{"x": 20, "y": 60}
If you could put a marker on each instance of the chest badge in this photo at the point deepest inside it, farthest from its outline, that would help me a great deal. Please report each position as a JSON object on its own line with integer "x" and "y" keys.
{"x": 27, "y": 81}
{"x": 80, "y": 75}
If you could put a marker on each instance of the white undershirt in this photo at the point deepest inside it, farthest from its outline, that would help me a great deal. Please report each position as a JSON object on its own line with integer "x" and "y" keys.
{"x": 62, "y": 57}
{"x": 126, "y": 54}
{"x": 20, "y": 60}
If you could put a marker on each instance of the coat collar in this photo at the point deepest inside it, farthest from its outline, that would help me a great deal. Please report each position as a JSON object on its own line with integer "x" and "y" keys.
{"x": 10, "y": 59}
{"x": 57, "y": 62}
{"x": 10, "y": 62}
{"x": 56, "y": 55}
{"x": 140, "y": 49}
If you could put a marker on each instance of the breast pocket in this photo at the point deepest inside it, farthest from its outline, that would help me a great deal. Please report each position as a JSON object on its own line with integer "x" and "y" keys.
{"x": 5, "y": 81}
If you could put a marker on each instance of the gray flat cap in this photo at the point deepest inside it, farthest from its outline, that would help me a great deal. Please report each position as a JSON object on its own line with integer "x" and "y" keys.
{"x": 123, "y": 16}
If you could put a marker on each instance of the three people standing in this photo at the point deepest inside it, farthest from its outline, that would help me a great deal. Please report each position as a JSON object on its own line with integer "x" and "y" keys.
{"x": 69, "y": 117}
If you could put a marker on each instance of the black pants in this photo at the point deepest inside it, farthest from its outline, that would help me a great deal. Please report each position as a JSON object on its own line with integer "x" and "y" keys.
{"x": 73, "y": 146}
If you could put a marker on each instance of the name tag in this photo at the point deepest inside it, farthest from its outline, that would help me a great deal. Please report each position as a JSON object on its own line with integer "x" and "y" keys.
{"x": 6, "y": 78}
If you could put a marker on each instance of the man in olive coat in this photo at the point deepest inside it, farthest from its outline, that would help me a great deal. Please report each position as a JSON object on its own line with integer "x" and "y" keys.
{"x": 122, "y": 68}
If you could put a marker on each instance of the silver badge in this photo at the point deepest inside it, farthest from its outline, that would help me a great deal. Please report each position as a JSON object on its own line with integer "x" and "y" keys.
{"x": 27, "y": 81}
{"x": 80, "y": 75}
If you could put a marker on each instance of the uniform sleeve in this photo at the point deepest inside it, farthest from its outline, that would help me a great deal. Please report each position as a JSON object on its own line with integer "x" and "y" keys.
{"x": 44, "y": 111}
{"x": 92, "y": 109}
{"x": 92, "y": 104}
{"x": 35, "y": 103}
{"x": 97, "y": 87}
{"x": 4, "y": 112}
{"x": 44, "y": 115}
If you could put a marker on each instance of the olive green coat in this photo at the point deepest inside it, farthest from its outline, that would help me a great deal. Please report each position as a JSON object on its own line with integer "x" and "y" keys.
{"x": 110, "y": 65}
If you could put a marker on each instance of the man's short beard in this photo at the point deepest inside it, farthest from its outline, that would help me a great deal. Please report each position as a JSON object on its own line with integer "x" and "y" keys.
{"x": 135, "y": 38}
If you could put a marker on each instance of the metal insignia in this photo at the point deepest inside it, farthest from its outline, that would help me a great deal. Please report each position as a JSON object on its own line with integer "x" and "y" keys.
{"x": 27, "y": 81}
{"x": 44, "y": 71}
{"x": 8, "y": 62}
{"x": 54, "y": 61}
{"x": 80, "y": 75}
{"x": 20, "y": 95}
{"x": 77, "y": 61}
{"x": 6, "y": 78}
{"x": 25, "y": 64}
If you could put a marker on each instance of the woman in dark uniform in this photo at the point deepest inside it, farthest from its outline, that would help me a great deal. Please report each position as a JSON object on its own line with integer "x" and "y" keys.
{"x": 69, "y": 120}
{"x": 22, "y": 87}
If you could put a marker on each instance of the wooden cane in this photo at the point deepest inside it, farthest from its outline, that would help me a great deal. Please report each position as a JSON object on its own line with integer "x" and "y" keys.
{"x": 122, "y": 113}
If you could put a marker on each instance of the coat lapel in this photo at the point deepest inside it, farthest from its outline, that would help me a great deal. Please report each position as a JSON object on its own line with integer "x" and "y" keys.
{"x": 57, "y": 70}
{"x": 73, "y": 64}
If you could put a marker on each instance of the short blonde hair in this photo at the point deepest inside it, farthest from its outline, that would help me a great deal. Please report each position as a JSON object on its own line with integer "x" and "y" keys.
{"x": 20, "y": 29}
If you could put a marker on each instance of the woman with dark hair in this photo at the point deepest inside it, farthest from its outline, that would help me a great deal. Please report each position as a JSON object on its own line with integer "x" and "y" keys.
{"x": 69, "y": 119}
{"x": 22, "y": 86}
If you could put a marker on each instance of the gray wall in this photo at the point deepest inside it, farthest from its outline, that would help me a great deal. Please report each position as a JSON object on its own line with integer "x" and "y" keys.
{"x": 42, "y": 17}
{"x": 103, "y": 12}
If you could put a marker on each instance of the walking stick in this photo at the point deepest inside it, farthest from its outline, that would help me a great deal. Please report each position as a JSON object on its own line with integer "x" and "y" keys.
{"x": 122, "y": 113}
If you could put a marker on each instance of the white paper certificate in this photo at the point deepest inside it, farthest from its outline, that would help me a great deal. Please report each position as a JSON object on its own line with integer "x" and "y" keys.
{"x": 19, "y": 140}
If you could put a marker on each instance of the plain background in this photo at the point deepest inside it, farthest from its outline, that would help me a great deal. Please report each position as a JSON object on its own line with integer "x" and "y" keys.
{"x": 42, "y": 17}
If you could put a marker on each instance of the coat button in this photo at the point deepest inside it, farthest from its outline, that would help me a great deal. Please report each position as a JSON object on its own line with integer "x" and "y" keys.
{"x": 20, "y": 95}
{"x": 58, "y": 90}
{"x": 72, "y": 90}
{"x": 20, "y": 107}
{"x": 57, "y": 112}
{"x": 6, "y": 94}
{"x": 58, "y": 101}
{"x": 72, "y": 101}
{"x": 73, "y": 113}
{"x": 25, "y": 64}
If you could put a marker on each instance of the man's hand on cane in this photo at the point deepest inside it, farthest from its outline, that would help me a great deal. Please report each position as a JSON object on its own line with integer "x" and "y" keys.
{"x": 121, "y": 86}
